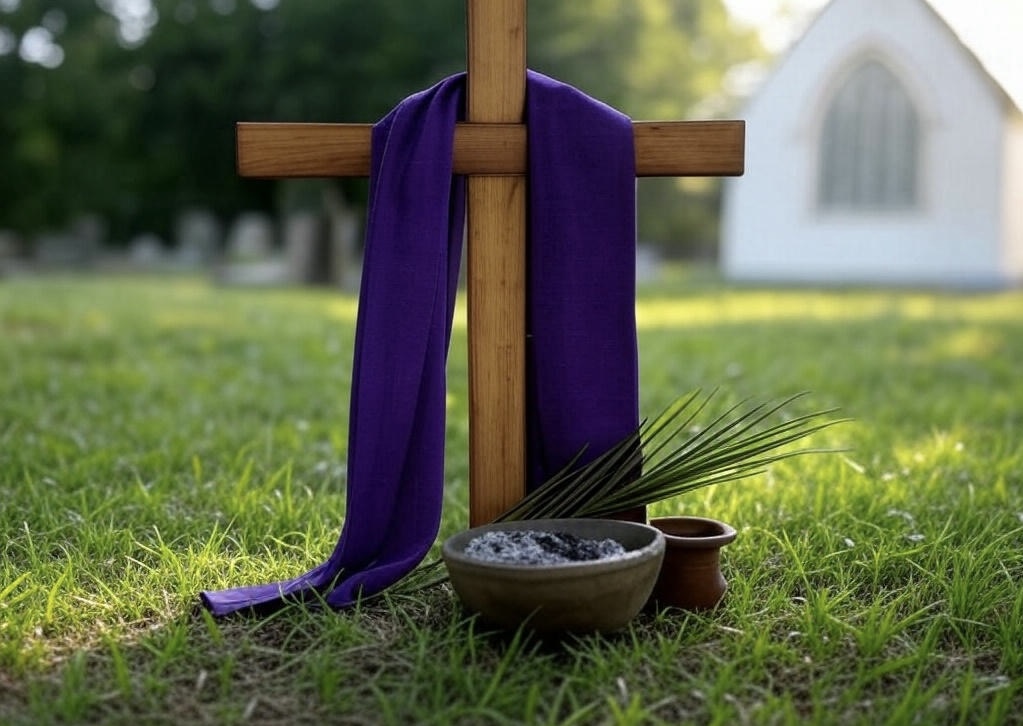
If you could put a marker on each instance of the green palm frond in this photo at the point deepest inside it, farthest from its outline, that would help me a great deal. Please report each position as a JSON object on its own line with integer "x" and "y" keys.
{"x": 671, "y": 455}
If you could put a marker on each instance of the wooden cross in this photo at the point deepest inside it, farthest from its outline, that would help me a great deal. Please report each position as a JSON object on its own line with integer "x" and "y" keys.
{"x": 490, "y": 148}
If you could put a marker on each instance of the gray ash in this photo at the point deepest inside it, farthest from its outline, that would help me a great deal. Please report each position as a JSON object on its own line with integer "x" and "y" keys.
{"x": 530, "y": 547}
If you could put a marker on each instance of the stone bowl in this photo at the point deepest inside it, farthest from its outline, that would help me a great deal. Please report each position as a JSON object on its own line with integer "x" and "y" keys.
{"x": 588, "y": 596}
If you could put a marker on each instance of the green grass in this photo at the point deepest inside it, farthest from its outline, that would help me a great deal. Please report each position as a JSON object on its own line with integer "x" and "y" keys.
{"x": 161, "y": 436}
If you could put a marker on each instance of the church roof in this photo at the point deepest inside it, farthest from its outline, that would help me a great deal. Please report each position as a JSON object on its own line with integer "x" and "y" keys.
{"x": 991, "y": 37}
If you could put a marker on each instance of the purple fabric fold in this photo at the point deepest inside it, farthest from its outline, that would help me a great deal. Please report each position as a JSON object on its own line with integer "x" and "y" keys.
{"x": 582, "y": 381}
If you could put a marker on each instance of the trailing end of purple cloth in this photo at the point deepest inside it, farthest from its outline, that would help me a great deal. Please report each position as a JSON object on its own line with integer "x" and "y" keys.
{"x": 582, "y": 380}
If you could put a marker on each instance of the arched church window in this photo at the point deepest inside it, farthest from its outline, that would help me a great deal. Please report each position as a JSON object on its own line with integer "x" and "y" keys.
{"x": 869, "y": 144}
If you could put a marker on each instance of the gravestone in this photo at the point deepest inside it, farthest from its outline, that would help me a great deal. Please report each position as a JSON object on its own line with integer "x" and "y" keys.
{"x": 10, "y": 244}
{"x": 146, "y": 252}
{"x": 90, "y": 230}
{"x": 252, "y": 238}
{"x": 11, "y": 252}
{"x": 343, "y": 239}
{"x": 251, "y": 256}
{"x": 62, "y": 250}
{"x": 76, "y": 247}
{"x": 648, "y": 263}
{"x": 198, "y": 235}
{"x": 306, "y": 251}
{"x": 319, "y": 233}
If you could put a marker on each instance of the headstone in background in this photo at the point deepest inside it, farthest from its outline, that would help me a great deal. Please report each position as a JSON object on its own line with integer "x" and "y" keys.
{"x": 251, "y": 239}
{"x": 305, "y": 230}
{"x": 11, "y": 252}
{"x": 198, "y": 236}
{"x": 146, "y": 252}
{"x": 343, "y": 238}
{"x": 251, "y": 257}
{"x": 648, "y": 263}
{"x": 62, "y": 250}
{"x": 91, "y": 232}
{"x": 10, "y": 244}
{"x": 306, "y": 249}
{"x": 77, "y": 247}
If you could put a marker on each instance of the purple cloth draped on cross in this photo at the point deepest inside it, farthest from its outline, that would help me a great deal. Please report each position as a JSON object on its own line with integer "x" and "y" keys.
{"x": 582, "y": 377}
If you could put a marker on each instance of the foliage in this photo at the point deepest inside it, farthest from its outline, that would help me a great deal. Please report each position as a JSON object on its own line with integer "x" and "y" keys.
{"x": 675, "y": 453}
{"x": 137, "y": 120}
{"x": 159, "y": 436}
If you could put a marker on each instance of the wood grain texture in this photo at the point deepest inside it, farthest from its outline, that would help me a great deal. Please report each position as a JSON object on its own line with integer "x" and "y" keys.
{"x": 496, "y": 337}
{"x": 496, "y": 94}
{"x": 677, "y": 148}
{"x": 496, "y": 49}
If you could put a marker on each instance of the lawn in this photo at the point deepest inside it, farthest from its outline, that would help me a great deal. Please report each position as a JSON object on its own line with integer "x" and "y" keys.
{"x": 159, "y": 436}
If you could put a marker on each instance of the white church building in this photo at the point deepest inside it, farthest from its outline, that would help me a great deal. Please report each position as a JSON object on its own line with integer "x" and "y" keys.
{"x": 882, "y": 148}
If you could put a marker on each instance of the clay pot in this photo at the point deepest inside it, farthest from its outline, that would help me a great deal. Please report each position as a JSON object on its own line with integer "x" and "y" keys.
{"x": 690, "y": 576}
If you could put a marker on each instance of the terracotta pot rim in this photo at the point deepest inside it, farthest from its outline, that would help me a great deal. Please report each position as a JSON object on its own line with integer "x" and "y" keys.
{"x": 722, "y": 533}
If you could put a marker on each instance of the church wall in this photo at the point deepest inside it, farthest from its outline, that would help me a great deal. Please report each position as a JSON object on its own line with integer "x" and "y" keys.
{"x": 773, "y": 227}
{"x": 1012, "y": 200}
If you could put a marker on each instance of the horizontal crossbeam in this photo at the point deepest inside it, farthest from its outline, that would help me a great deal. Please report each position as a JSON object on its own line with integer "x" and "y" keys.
{"x": 680, "y": 148}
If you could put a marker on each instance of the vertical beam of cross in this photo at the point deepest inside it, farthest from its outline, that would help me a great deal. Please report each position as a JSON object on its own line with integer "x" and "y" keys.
{"x": 496, "y": 54}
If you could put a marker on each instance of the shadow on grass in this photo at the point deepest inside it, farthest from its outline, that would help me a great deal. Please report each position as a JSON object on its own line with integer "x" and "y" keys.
{"x": 397, "y": 659}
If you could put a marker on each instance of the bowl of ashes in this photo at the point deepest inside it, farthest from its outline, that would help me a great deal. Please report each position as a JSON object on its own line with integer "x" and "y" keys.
{"x": 555, "y": 575}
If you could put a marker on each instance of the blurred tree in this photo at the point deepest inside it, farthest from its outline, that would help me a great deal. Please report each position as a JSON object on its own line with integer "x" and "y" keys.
{"x": 64, "y": 108}
{"x": 587, "y": 45}
{"x": 686, "y": 49}
{"x": 127, "y": 107}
